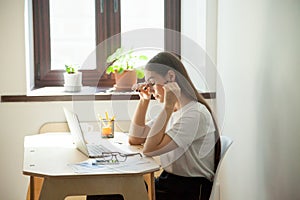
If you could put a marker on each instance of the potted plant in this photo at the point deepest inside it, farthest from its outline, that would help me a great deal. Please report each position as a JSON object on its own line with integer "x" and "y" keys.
{"x": 127, "y": 68}
{"x": 72, "y": 78}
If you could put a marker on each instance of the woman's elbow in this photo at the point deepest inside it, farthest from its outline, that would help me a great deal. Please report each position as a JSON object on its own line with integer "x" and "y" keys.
{"x": 135, "y": 141}
{"x": 147, "y": 152}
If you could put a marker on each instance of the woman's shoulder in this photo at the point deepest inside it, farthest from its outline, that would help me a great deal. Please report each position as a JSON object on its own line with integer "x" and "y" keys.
{"x": 194, "y": 109}
{"x": 196, "y": 106}
{"x": 202, "y": 110}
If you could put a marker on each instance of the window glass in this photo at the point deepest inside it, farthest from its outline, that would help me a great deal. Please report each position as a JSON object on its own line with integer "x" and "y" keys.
{"x": 72, "y": 30}
{"x": 140, "y": 14}
{"x": 136, "y": 14}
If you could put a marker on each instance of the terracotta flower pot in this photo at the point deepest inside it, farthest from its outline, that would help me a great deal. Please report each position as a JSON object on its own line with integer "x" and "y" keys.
{"x": 125, "y": 80}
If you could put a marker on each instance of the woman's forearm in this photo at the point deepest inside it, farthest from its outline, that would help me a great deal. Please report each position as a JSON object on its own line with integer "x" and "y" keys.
{"x": 157, "y": 138}
{"x": 137, "y": 127}
{"x": 139, "y": 116}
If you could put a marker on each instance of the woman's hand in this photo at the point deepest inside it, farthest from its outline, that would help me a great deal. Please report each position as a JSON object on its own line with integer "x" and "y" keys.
{"x": 172, "y": 94}
{"x": 143, "y": 89}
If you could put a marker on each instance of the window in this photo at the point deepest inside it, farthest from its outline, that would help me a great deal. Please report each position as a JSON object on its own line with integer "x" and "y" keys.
{"x": 66, "y": 30}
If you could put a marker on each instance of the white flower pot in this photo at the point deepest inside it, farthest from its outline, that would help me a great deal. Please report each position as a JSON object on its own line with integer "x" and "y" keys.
{"x": 73, "y": 82}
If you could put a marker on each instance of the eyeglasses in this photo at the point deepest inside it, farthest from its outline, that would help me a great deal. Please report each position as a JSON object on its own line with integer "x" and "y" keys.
{"x": 114, "y": 157}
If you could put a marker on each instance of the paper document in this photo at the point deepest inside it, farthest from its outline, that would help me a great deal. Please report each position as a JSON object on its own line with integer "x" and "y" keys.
{"x": 133, "y": 164}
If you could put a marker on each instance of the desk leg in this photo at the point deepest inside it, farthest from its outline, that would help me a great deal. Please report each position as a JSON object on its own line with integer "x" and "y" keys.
{"x": 131, "y": 187}
{"x": 149, "y": 178}
{"x": 31, "y": 188}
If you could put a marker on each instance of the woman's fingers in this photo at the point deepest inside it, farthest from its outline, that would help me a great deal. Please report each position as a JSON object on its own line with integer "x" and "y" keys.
{"x": 172, "y": 93}
{"x": 138, "y": 86}
{"x": 143, "y": 89}
{"x": 173, "y": 88}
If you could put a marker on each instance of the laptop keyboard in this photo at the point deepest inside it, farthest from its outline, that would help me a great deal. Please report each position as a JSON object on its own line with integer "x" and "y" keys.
{"x": 96, "y": 149}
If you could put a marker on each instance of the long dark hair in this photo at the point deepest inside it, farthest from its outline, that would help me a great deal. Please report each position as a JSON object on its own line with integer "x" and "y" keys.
{"x": 165, "y": 61}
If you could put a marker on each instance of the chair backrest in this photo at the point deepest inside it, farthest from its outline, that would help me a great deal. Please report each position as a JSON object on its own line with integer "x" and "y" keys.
{"x": 225, "y": 144}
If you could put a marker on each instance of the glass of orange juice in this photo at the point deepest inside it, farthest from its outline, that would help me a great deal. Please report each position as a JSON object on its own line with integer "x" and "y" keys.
{"x": 107, "y": 128}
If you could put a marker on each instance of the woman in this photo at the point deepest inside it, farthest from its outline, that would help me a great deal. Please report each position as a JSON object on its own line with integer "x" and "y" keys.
{"x": 184, "y": 134}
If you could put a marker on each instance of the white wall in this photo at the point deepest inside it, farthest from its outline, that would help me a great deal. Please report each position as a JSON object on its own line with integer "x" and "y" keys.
{"x": 258, "y": 60}
{"x": 14, "y": 118}
{"x": 17, "y": 121}
{"x": 12, "y": 47}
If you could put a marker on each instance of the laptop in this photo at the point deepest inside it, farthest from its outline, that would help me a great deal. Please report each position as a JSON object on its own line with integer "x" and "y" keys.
{"x": 90, "y": 150}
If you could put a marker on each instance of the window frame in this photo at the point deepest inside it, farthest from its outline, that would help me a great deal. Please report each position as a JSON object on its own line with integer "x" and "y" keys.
{"x": 106, "y": 16}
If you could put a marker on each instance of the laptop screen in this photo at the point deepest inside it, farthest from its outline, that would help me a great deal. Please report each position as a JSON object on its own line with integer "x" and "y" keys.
{"x": 76, "y": 131}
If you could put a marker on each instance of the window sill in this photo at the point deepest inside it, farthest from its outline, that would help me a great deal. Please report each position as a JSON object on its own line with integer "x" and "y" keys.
{"x": 86, "y": 94}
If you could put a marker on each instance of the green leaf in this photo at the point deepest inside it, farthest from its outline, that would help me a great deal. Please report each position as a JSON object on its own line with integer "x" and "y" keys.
{"x": 124, "y": 59}
{"x": 140, "y": 73}
{"x": 110, "y": 59}
{"x": 129, "y": 67}
{"x": 109, "y": 70}
{"x": 70, "y": 69}
{"x": 115, "y": 56}
{"x": 120, "y": 70}
{"x": 142, "y": 57}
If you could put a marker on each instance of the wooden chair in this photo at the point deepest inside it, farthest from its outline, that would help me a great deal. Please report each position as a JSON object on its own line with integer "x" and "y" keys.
{"x": 36, "y": 183}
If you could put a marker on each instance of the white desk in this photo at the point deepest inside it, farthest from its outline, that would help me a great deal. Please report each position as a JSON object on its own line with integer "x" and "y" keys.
{"x": 50, "y": 156}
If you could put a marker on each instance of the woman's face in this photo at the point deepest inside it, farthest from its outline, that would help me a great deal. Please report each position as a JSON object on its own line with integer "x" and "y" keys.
{"x": 156, "y": 83}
